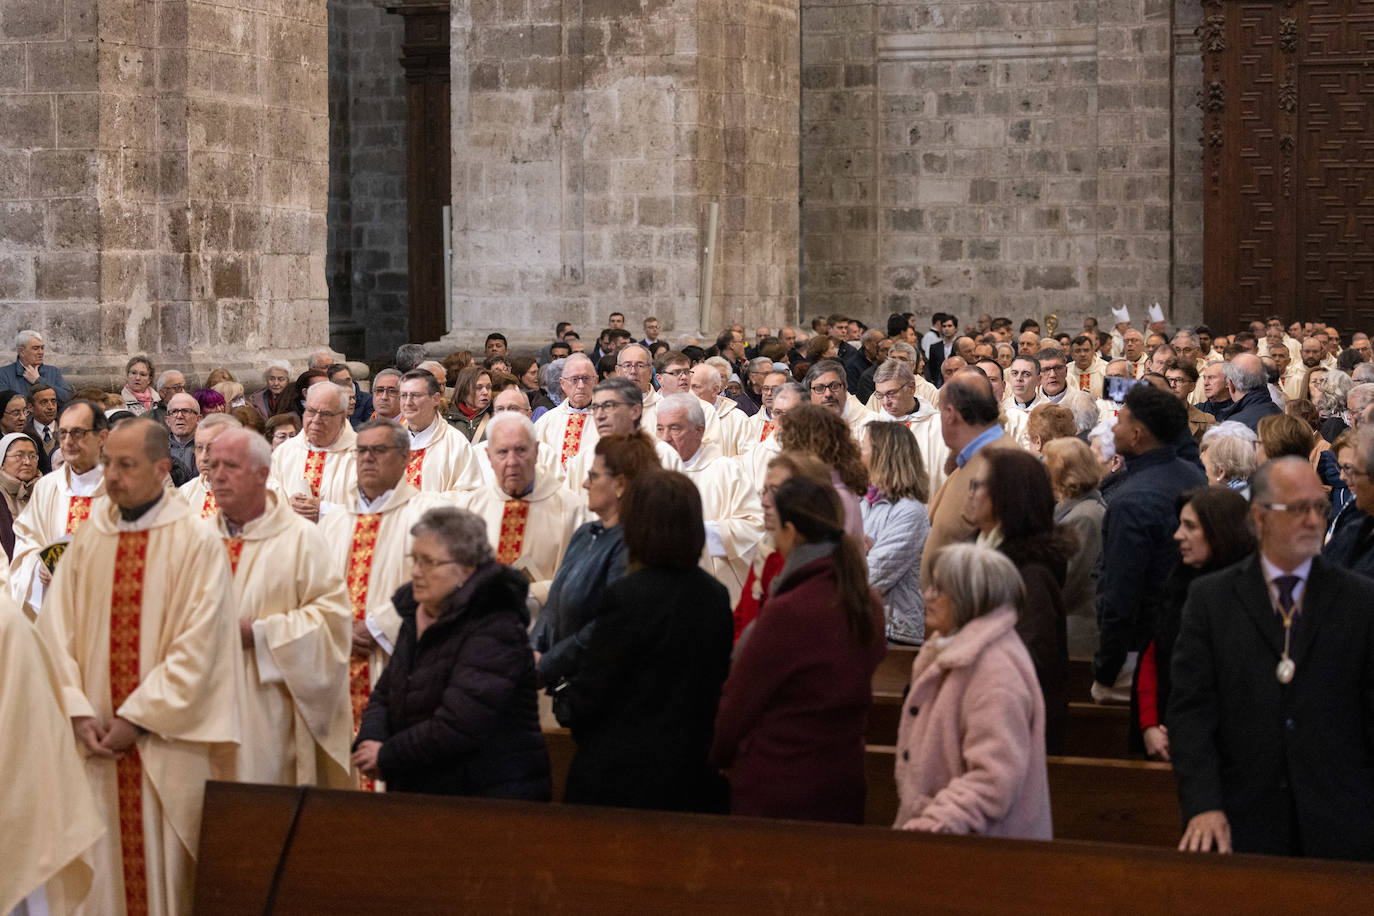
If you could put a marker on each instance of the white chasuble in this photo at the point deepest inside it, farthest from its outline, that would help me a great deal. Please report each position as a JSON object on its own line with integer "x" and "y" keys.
{"x": 566, "y": 431}
{"x": 140, "y": 622}
{"x": 733, "y": 515}
{"x": 548, "y": 461}
{"x": 445, "y": 462}
{"x": 755, "y": 461}
{"x": 61, "y": 501}
{"x": 530, "y": 532}
{"x": 47, "y": 812}
{"x": 329, "y": 473}
{"x": 297, "y": 725}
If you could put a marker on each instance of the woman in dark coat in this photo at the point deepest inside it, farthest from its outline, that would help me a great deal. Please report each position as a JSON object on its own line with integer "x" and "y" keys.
{"x": 790, "y": 732}
{"x": 455, "y": 712}
{"x": 643, "y": 699}
{"x": 595, "y": 558}
{"x": 1011, "y": 503}
{"x": 1213, "y": 533}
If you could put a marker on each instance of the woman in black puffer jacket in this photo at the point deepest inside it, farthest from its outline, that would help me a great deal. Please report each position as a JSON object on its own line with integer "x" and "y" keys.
{"x": 455, "y": 711}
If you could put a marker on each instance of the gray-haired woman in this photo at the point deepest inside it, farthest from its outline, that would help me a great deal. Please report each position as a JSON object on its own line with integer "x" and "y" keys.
{"x": 455, "y": 711}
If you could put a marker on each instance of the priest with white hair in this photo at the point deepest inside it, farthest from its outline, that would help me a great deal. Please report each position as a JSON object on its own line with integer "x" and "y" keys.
{"x": 293, "y": 624}
{"x": 568, "y": 428}
{"x": 675, "y": 377}
{"x": 707, "y": 384}
{"x": 729, "y": 501}
{"x": 196, "y": 491}
{"x": 530, "y": 518}
{"x": 513, "y": 399}
{"x": 315, "y": 467}
{"x": 441, "y": 458}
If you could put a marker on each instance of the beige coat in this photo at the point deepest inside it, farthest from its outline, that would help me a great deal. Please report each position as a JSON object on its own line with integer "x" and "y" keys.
{"x": 947, "y": 525}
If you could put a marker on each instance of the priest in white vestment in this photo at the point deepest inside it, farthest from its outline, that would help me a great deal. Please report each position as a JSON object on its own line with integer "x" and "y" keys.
{"x": 755, "y": 461}
{"x": 530, "y": 519}
{"x": 196, "y": 491}
{"x": 568, "y": 428}
{"x": 616, "y": 408}
{"x": 826, "y": 382}
{"x": 762, "y": 423}
{"x": 1013, "y": 422}
{"x": 294, "y": 623}
{"x": 925, "y": 391}
{"x": 729, "y": 500}
{"x": 735, "y": 428}
{"x": 48, "y": 814}
{"x": 141, "y": 625}
{"x": 1023, "y": 392}
{"x": 895, "y": 388}
{"x": 633, "y": 363}
{"x": 675, "y": 377}
{"x": 314, "y": 468}
{"x": 515, "y": 400}
{"x": 61, "y": 500}
{"x": 441, "y": 458}
{"x": 1088, "y": 368}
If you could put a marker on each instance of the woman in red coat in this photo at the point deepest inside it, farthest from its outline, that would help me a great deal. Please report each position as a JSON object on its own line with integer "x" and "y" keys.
{"x": 790, "y": 729}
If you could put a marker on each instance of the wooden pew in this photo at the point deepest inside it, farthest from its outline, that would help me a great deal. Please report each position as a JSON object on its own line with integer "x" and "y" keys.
{"x": 1108, "y": 801}
{"x": 267, "y": 849}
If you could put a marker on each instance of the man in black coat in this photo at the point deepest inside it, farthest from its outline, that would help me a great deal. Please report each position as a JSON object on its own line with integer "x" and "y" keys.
{"x": 1138, "y": 548}
{"x": 1248, "y": 384}
{"x": 1272, "y": 732}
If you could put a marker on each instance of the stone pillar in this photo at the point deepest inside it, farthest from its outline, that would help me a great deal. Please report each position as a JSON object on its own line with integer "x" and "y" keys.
{"x": 590, "y": 137}
{"x": 165, "y": 165}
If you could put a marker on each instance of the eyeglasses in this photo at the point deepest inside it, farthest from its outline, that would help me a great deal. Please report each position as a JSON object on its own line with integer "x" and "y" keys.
{"x": 579, "y": 379}
{"x": 1055, "y": 369}
{"x": 768, "y": 389}
{"x": 389, "y": 392}
{"x": 1176, "y": 382}
{"x": 636, "y": 367}
{"x": 832, "y": 388}
{"x": 415, "y": 395}
{"x": 675, "y": 373}
{"x": 425, "y": 564}
{"x": 376, "y": 451}
{"x": 17, "y": 412}
{"x": 187, "y": 412}
{"x": 605, "y": 406}
{"x": 22, "y": 456}
{"x": 174, "y": 389}
{"x": 1350, "y": 470}
{"x": 1301, "y": 507}
{"x": 327, "y": 414}
{"x": 889, "y": 395}
{"x": 75, "y": 434}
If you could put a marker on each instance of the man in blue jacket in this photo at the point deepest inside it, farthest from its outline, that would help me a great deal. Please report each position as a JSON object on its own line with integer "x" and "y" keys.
{"x": 1249, "y": 387}
{"x": 28, "y": 368}
{"x": 1138, "y": 548}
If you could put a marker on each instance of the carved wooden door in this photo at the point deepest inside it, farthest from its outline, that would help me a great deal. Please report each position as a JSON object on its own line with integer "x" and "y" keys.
{"x": 1288, "y": 140}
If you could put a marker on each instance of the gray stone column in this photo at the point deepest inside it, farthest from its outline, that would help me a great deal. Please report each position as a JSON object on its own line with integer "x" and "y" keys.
{"x": 163, "y": 174}
{"x": 590, "y": 138}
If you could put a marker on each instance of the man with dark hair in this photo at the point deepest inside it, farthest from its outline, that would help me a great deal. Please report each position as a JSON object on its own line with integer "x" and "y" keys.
{"x": 341, "y": 375}
{"x": 968, "y": 424}
{"x": 616, "y": 321}
{"x": 1204, "y": 336}
{"x": 441, "y": 458}
{"x": 1001, "y": 329}
{"x": 61, "y": 501}
{"x": 1247, "y": 341}
{"x": 496, "y": 345}
{"x": 1030, "y": 324}
{"x": 942, "y": 348}
{"x": 898, "y": 326}
{"x": 1270, "y": 710}
{"x": 1138, "y": 550}
{"x": 861, "y": 360}
{"x": 826, "y": 382}
{"x": 42, "y": 423}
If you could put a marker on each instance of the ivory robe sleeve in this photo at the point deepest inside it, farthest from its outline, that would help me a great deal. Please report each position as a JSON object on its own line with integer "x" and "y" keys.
{"x": 732, "y": 505}
{"x": 309, "y": 645}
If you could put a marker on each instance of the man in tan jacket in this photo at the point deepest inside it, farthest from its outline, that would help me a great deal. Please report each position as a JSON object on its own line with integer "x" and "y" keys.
{"x": 968, "y": 423}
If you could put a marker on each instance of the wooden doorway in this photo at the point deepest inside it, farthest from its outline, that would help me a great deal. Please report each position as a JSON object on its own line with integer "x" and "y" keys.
{"x": 428, "y": 152}
{"x": 1288, "y": 145}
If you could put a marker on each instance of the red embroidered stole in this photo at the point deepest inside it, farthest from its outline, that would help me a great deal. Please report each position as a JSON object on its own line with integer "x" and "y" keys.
{"x": 235, "y": 548}
{"x": 512, "y": 540}
{"x": 126, "y": 612}
{"x": 78, "y": 510}
{"x": 209, "y": 507}
{"x": 1085, "y": 381}
{"x": 359, "y": 575}
{"x": 414, "y": 467}
{"x": 572, "y": 436}
{"x": 768, "y": 427}
{"x": 314, "y": 470}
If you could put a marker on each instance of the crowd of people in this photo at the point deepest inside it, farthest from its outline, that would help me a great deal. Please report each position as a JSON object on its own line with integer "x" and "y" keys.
{"x": 694, "y": 558}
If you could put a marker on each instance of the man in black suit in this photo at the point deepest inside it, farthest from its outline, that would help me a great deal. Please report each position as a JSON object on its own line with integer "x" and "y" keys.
{"x": 942, "y": 349}
{"x": 1271, "y": 717}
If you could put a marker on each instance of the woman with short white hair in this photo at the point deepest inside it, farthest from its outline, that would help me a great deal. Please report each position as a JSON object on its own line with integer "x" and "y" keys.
{"x": 971, "y": 750}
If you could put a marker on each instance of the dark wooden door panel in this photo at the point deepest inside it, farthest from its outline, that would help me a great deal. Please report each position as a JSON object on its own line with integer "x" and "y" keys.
{"x": 1288, "y": 101}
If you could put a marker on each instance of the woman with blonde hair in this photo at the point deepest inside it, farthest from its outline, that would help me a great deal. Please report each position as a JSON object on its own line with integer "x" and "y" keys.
{"x": 1079, "y": 507}
{"x": 971, "y": 755}
{"x": 1046, "y": 423}
{"x": 896, "y": 523}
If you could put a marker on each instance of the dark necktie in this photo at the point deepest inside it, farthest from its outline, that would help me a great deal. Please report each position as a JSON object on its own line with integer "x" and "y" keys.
{"x": 1287, "y": 607}
{"x": 47, "y": 437}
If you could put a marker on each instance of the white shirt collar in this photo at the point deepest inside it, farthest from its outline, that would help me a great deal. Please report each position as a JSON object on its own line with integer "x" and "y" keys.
{"x": 86, "y": 484}
{"x": 419, "y": 438}
{"x": 367, "y": 506}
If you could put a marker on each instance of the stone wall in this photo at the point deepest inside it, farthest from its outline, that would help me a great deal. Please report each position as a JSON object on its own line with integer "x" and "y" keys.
{"x": 1017, "y": 158}
{"x": 589, "y": 139}
{"x": 163, "y": 180}
{"x": 366, "y": 257}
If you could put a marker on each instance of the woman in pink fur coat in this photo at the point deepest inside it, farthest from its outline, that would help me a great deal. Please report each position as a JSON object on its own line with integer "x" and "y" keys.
{"x": 971, "y": 751}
